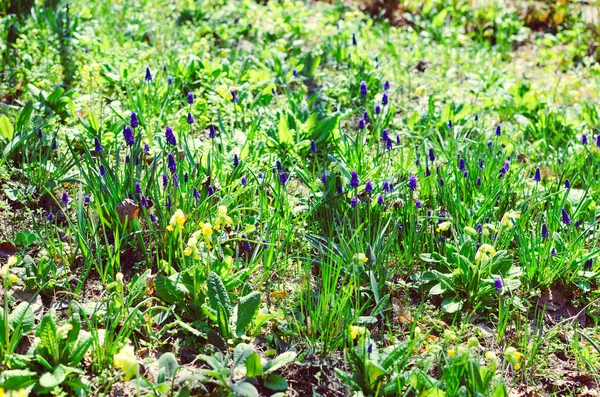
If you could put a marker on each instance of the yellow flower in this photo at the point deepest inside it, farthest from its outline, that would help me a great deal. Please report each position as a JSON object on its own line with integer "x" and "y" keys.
{"x": 177, "y": 220}
{"x": 12, "y": 260}
{"x": 126, "y": 361}
{"x": 470, "y": 231}
{"x": 489, "y": 355}
{"x": 207, "y": 230}
{"x": 451, "y": 352}
{"x": 356, "y": 331}
{"x": 442, "y": 227}
{"x": 222, "y": 218}
{"x": 484, "y": 253}
{"x": 510, "y": 218}
{"x": 513, "y": 356}
{"x": 362, "y": 257}
{"x": 13, "y": 278}
{"x": 63, "y": 331}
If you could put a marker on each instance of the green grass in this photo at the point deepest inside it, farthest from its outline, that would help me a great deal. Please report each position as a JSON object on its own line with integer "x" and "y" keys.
{"x": 346, "y": 204}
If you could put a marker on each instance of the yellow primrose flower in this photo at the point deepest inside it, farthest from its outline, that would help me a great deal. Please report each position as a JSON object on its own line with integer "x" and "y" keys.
{"x": 362, "y": 257}
{"x": 356, "y": 331}
{"x": 12, "y": 260}
{"x": 470, "y": 231}
{"x": 442, "y": 227}
{"x": 489, "y": 355}
{"x": 488, "y": 228}
{"x": 484, "y": 253}
{"x": 126, "y": 361}
{"x": 13, "y": 278}
{"x": 63, "y": 331}
{"x": 222, "y": 218}
{"x": 451, "y": 352}
{"x": 510, "y": 218}
{"x": 207, "y": 230}
{"x": 513, "y": 356}
{"x": 177, "y": 220}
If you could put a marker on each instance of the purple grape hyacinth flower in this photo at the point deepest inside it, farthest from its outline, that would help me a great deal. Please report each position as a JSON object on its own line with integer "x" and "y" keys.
{"x": 190, "y": 98}
{"x": 363, "y": 89}
{"x": 148, "y": 76}
{"x": 134, "y": 122}
{"x": 412, "y": 182}
{"x": 170, "y": 136}
{"x": 128, "y": 135}
{"x": 354, "y": 181}
{"x": 565, "y": 217}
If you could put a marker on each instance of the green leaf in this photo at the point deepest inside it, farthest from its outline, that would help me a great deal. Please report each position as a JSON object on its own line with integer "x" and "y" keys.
{"x": 93, "y": 121}
{"x": 24, "y": 116}
{"x": 51, "y": 380}
{"x": 452, "y": 305}
{"x": 167, "y": 289}
{"x": 244, "y": 389}
{"x": 276, "y": 382}
{"x": 82, "y": 345}
{"x": 17, "y": 378}
{"x": 168, "y": 362}
{"x": 347, "y": 379}
{"x": 437, "y": 289}
{"x": 22, "y": 315}
{"x": 279, "y": 361}
{"x": 246, "y": 311}
{"x": 253, "y": 366}
{"x": 217, "y": 294}
{"x": 283, "y": 132}
{"x": 241, "y": 353}
{"x": 48, "y": 346}
{"x": 6, "y": 128}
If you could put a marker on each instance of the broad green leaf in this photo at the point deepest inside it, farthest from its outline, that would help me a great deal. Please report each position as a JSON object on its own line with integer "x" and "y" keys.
{"x": 276, "y": 382}
{"x": 22, "y": 316}
{"x": 244, "y": 389}
{"x": 283, "y": 132}
{"x": 253, "y": 366}
{"x": 24, "y": 116}
{"x": 241, "y": 353}
{"x": 279, "y": 361}
{"x": 452, "y": 305}
{"x": 93, "y": 121}
{"x": 217, "y": 294}
{"x": 168, "y": 362}
{"x": 6, "y": 127}
{"x": 347, "y": 379}
{"x": 82, "y": 345}
{"x": 437, "y": 289}
{"x": 246, "y": 311}
{"x": 51, "y": 380}
{"x": 48, "y": 346}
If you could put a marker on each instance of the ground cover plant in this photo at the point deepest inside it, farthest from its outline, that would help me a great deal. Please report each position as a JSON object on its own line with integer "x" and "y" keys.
{"x": 246, "y": 198}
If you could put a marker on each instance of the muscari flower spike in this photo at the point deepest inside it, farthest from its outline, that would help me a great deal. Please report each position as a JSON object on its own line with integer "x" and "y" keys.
{"x": 234, "y": 97}
{"x": 386, "y": 85}
{"x": 324, "y": 179}
{"x": 128, "y": 136}
{"x": 171, "y": 164}
{"x": 565, "y": 217}
{"x": 361, "y": 124}
{"x": 368, "y": 186}
{"x": 498, "y": 131}
{"x": 461, "y": 164}
{"x": 148, "y": 76}
{"x": 102, "y": 170}
{"x": 380, "y": 200}
{"x": 190, "y": 98}
{"x": 431, "y": 155}
{"x": 236, "y": 160}
{"x": 498, "y": 284}
{"x": 354, "y": 181}
{"x": 170, "y": 80}
{"x": 363, "y": 89}
{"x": 584, "y": 139}
{"x": 190, "y": 119}
{"x": 313, "y": 146}
{"x": 65, "y": 197}
{"x": 567, "y": 184}
{"x": 377, "y": 109}
{"x": 537, "y": 176}
{"x": 283, "y": 179}
{"x": 165, "y": 180}
{"x": 170, "y": 136}
{"x": 97, "y": 146}
{"x": 244, "y": 181}
{"x": 545, "y": 233}
{"x": 212, "y": 133}
{"x": 133, "y": 120}
{"x": 138, "y": 188}
{"x": 418, "y": 204}
{"x": 353, "y": 202}
{"x": 384, "y": 99}
{"x": 412, "y": 182}
{"x": 295, "y": 72}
